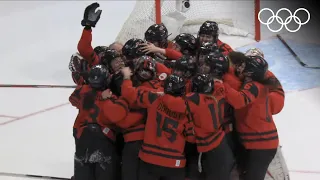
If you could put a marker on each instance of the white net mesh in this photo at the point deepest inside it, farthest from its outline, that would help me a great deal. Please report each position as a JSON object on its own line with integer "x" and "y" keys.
{"x": 234, "y": 17}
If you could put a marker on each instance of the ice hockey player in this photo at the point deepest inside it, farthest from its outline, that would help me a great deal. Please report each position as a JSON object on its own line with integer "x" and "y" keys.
{"x": 80, "y": 67}
{"x": 278, "y": 169}
{"x": 209, "y": 32}
{"x": 185, "y": 67}
{"x": 132, "y": 51}
{"x": 262, "y": 145}
{"x": 185, "y": 43}
{"x": 276, "y": 95}
{"x": 157, "y": 38}
{"x": 162, "y": 151}
{"x": 204, "y": 50}
{"x": 114, "y": 62}
{"x": 216, "y": 64}
{"x": 90, "y": 19}
{"x": 207, "y": 100}
{"x": 157, "y": 34}
{"x": 95, "y": 156}
{"x": 146, "y": 74}
{"x": 134, "y": 125}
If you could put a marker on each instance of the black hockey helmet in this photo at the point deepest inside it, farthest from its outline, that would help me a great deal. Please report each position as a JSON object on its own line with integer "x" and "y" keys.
{"x": 187, "y": 43}
{"x": 208, "y": 47}
{"x": 202, "y": 83}
{"x": 99, "y": 77}
{"x": 131, "y": 49}
{"x": 256, "y": 67}
{"x": 209, "y": 28}
{"x": 187, "y": 65}
{"x": 218, "y": 63}
{"x": 157, "y": 33}
{"x": 107, "y": 58}
{"x": 100, "y": 49}
{"x": 145, "y": 68}
{"x": 204, "y": 50}
{"x": 174, "y": 85}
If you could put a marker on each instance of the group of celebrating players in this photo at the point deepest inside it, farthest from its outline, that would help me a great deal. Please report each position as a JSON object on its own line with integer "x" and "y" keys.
{"x": 191, "y": 108}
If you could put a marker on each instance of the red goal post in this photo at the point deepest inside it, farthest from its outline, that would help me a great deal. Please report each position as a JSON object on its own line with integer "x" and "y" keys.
{"x": 235, "y": 17}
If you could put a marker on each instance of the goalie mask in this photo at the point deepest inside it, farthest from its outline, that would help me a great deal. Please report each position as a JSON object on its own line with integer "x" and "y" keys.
{"x": 157, "y": 34}
{"x": 202, "y": 83}
{"x": 208, "y": 32}
{"x": 185, "y": 43}
{"x": 254, "y": 52}
{"x": 99, "y": 77}
{"x": 145, "y": 68}
{"x": 174, "y": 85}
{"x": 77, "y": 63}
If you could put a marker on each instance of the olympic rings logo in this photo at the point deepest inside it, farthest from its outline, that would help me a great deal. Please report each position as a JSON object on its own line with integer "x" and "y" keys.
{"x": 286, "y": 21}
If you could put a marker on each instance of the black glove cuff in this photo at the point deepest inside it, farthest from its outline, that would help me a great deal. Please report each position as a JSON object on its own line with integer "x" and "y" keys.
{"x": 87, "y": 27}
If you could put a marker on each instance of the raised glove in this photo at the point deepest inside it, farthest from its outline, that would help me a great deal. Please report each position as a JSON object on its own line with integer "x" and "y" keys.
{"x": 91, "y": 16}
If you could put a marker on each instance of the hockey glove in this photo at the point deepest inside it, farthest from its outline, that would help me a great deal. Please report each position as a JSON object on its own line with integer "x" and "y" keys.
{"x": 91, "y": 16}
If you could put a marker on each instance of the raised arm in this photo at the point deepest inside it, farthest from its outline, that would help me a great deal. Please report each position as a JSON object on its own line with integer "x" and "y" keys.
{"x": 85, "y": 48}
{"x": 90, "y": 19}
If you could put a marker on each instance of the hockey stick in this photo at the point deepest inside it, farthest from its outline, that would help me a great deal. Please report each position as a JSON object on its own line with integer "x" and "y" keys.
{"x": 269, "y": 173}
{"x": 295, "y": 55}
{"x": 31, "y": 176}
{"x": 34, "y": 86}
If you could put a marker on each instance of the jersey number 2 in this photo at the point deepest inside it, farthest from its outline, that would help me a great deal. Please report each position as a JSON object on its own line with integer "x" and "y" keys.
{"x": 167, "y": 126}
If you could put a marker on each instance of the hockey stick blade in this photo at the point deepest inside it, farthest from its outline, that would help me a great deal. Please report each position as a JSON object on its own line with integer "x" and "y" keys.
{"x": 34, "y": 86}
{"x": 31, "y": 176}
{"x": 295, "y": 55}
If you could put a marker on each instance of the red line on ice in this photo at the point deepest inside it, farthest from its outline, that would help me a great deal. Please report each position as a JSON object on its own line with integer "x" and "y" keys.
{"x": 33, "y": 114}
{"x": 305, "y": 171}
{"x": 5, "y": 116}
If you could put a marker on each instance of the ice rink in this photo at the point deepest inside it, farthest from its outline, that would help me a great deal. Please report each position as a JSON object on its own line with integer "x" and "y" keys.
{"x": 36, "y": 43}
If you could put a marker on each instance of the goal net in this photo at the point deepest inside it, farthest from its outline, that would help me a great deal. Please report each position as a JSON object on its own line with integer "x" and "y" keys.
{"x": 235, "y": 18}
